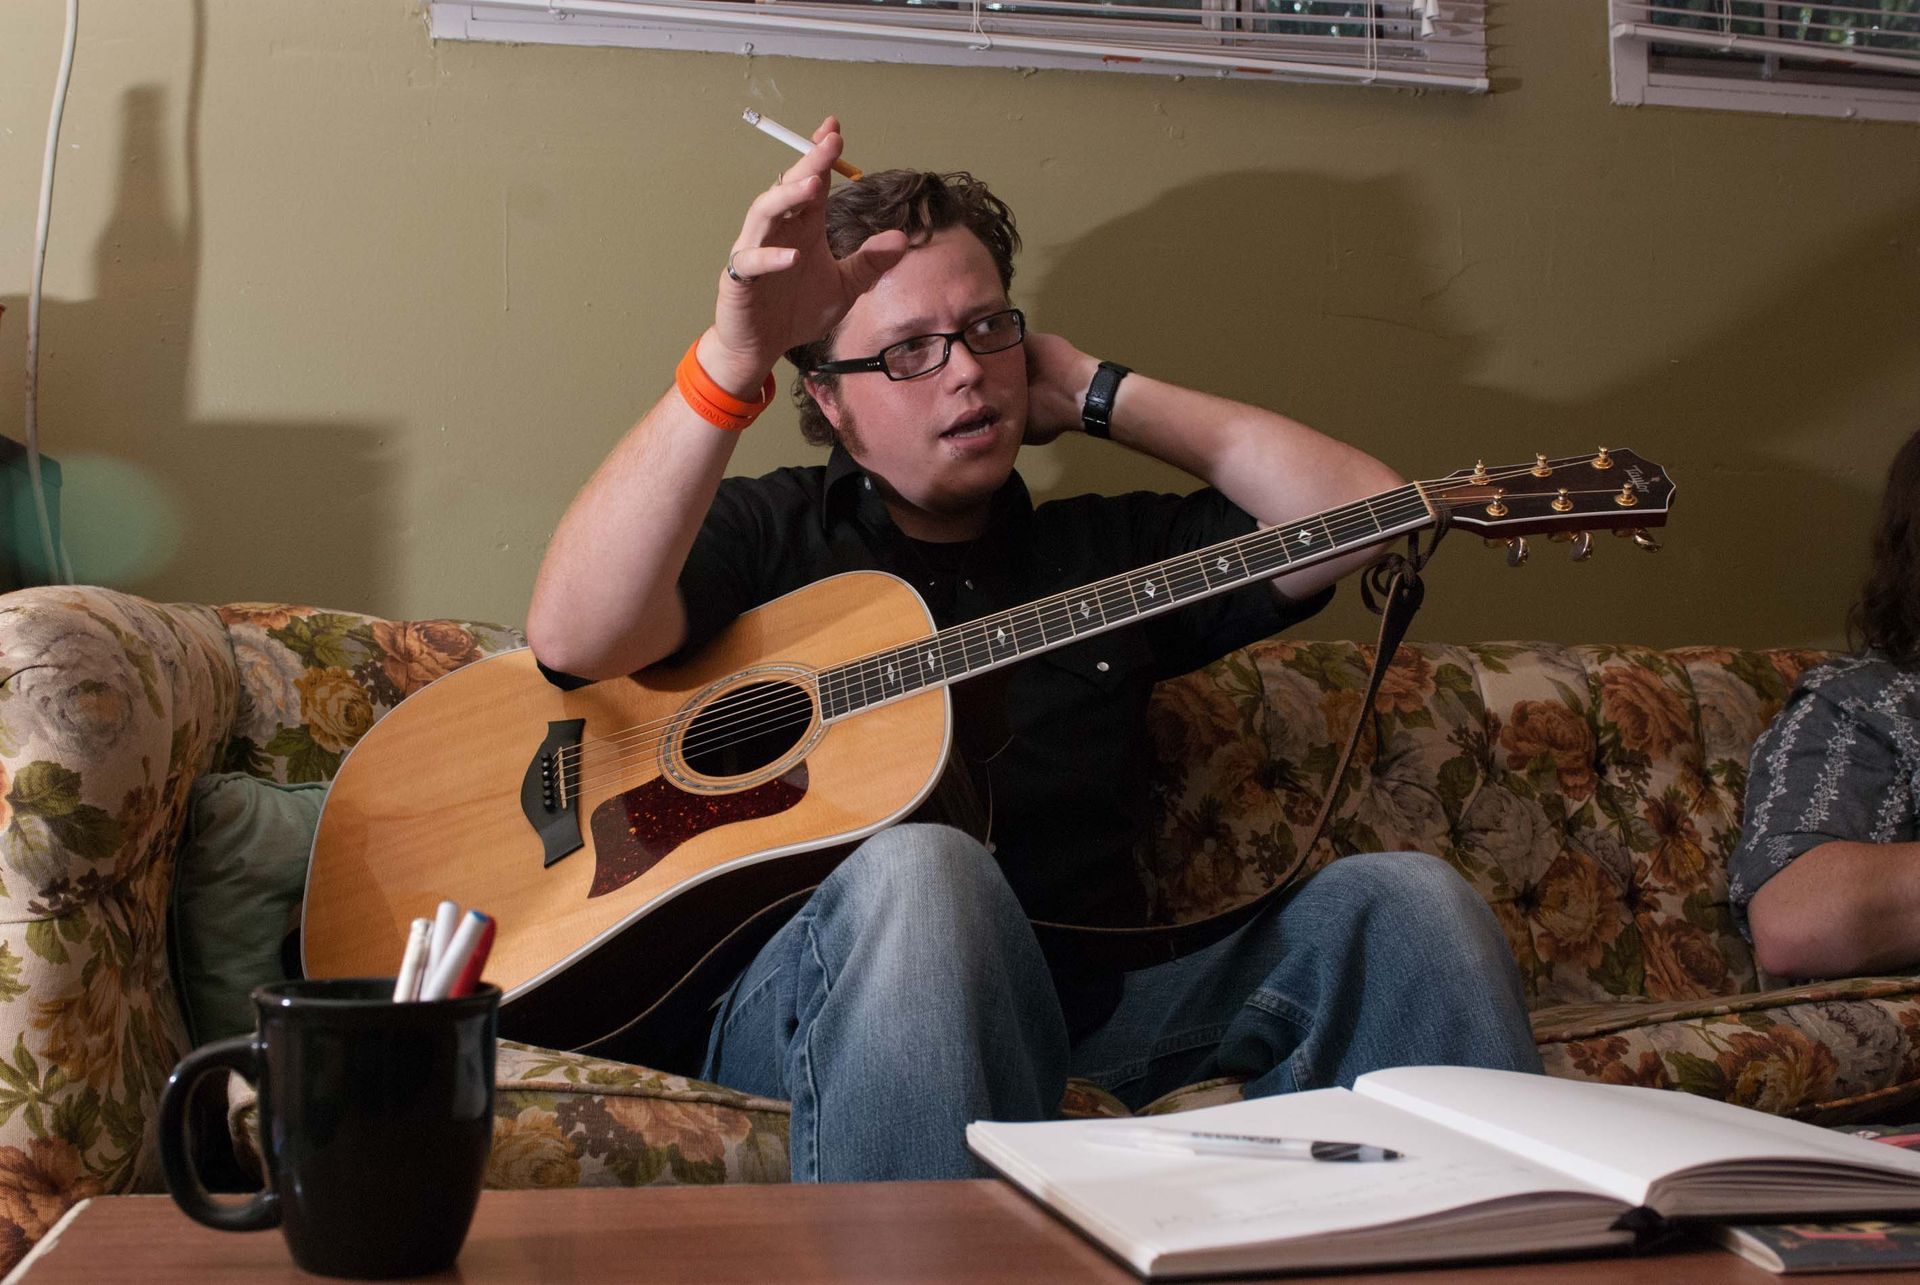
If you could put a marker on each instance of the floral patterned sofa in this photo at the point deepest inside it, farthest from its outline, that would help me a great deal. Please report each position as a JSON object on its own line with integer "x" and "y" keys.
{"x": 1590, "y": 793}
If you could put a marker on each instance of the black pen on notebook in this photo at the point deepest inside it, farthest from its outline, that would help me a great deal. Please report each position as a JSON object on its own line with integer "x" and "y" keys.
{"x": 1259, "y": 1145}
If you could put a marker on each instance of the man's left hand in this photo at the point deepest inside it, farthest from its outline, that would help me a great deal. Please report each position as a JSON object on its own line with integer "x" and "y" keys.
{"x": 1058, "y": 375}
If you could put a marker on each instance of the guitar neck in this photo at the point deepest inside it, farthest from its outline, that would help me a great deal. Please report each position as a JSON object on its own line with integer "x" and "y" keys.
{"x": 1008, "y": 636}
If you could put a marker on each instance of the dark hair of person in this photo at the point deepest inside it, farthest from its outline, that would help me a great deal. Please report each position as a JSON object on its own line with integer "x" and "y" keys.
{"x": 1886, "y": 616}
{"x": 919, "y": 204}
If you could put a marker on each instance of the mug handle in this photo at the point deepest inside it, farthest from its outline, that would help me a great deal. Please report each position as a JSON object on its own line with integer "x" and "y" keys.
{"x": 183, "y": 1182}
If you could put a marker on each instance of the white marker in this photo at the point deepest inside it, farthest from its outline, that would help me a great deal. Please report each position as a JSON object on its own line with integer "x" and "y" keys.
{"x": 446, "y": 970}
{"x": 445, "y": 919}
{"x": 414, "y": 962}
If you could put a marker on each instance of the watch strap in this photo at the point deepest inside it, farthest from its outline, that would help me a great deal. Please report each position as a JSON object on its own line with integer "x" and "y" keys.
{"x": 1096, "y": 415}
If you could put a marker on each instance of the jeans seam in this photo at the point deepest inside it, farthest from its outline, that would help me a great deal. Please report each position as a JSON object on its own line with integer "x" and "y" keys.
{"x": 806, "y": 1053}
{"x": 1278, "y": 1005}
{"x": 1127, "y": 1072}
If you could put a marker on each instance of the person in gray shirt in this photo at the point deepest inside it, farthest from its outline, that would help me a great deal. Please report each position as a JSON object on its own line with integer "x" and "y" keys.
{"x": 1826, "y": 880}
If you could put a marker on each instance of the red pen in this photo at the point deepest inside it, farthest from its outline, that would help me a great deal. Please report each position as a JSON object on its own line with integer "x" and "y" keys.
{"x": 470, "y": 974}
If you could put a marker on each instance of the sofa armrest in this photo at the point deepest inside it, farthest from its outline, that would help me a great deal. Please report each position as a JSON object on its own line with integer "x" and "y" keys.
{"x": 109, "y": 707}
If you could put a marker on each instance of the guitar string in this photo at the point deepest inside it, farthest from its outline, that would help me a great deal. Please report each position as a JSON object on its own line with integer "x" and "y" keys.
{"x": 776, "y": 708}
{"x": 780, "y": 707}
{"x": 1264, "y": 538}
{"x": 769, "y": 709}
{"x": 773, "y": 709}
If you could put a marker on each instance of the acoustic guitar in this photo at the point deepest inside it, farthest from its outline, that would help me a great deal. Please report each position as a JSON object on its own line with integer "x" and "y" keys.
{"x": 638, "y": 839}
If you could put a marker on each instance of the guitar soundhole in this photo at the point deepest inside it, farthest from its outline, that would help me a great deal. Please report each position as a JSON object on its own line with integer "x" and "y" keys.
{"x": 746, "y": 729}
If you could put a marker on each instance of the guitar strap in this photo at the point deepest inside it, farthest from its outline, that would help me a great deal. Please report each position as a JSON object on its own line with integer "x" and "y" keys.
{"x": 1392, "y": 589}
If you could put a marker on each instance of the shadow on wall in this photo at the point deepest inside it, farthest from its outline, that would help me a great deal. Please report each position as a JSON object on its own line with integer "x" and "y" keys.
{"x": 154, "y": 500}
{"x": 1337, "y": 292}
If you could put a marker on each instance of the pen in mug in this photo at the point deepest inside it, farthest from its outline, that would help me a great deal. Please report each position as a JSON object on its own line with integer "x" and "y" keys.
{"x": 774, "y": 129}
{"x": 470, "y": 973}
{"x": 446, "y": 971}
{"x": 1262, "y": 1146}
{"x": 414, "y": 961}
{"x": 445, "y": 919}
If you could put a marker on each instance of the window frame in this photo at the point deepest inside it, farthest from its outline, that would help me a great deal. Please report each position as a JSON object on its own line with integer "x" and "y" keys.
{"x": 744, "y": 28}
{"x": 1638, "y": 83}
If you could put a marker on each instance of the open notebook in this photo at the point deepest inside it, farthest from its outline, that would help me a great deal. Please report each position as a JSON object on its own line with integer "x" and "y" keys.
{"x": 1495, "y": 1163}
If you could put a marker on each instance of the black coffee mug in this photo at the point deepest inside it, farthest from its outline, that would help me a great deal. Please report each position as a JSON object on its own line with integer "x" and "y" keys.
{"x": 375, "y": 1122}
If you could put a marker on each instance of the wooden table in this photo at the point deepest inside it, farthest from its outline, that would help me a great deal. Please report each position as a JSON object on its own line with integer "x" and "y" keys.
{"x": 933, "y": 1232}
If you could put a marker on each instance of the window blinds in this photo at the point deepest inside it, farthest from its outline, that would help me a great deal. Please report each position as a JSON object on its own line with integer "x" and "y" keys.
{"x": 1882, "y": 36}
{"x": 1434, "y": 44}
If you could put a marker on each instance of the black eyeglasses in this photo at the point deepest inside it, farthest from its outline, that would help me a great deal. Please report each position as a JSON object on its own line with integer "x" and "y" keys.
{"x": 924, "y": 354}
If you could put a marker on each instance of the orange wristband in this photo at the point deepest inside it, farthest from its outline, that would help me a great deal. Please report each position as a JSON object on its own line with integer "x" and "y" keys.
{"x": 711, "y": 402}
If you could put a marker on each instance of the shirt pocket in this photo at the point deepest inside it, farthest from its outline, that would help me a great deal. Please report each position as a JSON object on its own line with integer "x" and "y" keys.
{"x": 1102, "y": 665}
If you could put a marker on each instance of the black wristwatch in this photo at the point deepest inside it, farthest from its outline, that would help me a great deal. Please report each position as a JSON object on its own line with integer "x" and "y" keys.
{"x": 1096, "y": 416}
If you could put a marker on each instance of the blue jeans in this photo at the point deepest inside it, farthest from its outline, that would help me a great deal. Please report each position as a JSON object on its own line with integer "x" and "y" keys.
{"x": 909, "y": 997}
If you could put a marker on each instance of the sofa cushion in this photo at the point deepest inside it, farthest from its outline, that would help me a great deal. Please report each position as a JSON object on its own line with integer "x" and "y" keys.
{"x": 1589, "y": 794}
{"x": 1829, "y": 1052}
{"x": 313, "y": 681}
{"x": 240, "y": 872}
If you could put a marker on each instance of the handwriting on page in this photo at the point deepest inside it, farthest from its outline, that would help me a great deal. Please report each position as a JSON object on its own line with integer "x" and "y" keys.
{"x": 1359, "y": 1189}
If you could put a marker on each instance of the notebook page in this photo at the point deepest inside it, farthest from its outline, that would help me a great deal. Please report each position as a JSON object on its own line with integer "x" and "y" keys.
{"x": 1148, "y": 1204}
{"x": 1619, "y": 1138}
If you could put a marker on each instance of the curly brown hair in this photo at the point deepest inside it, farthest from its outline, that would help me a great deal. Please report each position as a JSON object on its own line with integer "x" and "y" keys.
{"x": 1886, "y": 615}
{"x": 920, "y": 204}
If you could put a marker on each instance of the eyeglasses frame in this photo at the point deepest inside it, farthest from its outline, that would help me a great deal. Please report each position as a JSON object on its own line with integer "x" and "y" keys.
{"x": 878, "y": 362}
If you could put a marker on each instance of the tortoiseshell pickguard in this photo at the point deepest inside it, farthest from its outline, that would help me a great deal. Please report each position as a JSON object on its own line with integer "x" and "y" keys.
{"x": 633, "y": 830}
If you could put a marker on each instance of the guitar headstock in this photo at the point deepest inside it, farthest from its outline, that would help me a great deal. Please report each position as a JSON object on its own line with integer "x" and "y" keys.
{"x": 1610, "y": 490}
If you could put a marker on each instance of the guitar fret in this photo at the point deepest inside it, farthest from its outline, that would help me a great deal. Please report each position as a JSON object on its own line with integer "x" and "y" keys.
{"x": 892, "y": 682}
{"x": 954, "y": 652}
{"x": 974, "y": 641}
{"x": 1056, "y": 619}
{"x": 1186, "y": 577}
{"x": 1028, "y": 631}
{"x": 928, "y": 662}
{"x": 1224, "y": 567}
{"x": 1265, "y": 553}
{"x": 1084, "y": 613}
{"x": 1000, "y": 636}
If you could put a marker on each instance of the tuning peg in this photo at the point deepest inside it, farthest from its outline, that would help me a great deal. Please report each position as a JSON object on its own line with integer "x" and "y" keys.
{"x": 1517, "y": 551}
{"x": 1582, "y": 547}
{"x": 1645, "y": 541}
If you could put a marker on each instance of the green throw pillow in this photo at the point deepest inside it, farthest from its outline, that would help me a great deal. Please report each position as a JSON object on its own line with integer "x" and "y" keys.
{"x": 241, "y": 872}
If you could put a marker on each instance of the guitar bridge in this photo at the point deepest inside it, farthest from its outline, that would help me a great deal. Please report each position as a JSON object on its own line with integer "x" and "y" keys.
{"x": 550, "y": 791}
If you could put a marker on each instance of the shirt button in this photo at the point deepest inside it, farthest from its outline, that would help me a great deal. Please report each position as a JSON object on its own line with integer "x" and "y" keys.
{"x": 1102, "y": 666}
{"x": 967, "y": 583}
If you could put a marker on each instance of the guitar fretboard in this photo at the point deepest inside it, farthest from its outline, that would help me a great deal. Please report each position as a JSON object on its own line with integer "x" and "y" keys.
{"x": 1000, "y": 639}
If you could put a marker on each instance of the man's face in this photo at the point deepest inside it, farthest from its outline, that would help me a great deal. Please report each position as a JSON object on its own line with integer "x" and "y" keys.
{"x": 941, "y": 444}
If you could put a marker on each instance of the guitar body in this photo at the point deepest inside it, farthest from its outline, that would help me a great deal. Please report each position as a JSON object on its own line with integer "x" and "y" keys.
{"x": 637, "y": 839}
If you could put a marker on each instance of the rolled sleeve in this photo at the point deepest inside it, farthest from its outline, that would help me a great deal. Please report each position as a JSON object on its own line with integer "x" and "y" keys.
{"x": 1827, "y": 770}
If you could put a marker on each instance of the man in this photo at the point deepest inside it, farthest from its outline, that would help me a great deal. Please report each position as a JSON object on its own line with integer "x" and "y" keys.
{"x": 909, "y": 996}
{"x": 1826, "y": 879}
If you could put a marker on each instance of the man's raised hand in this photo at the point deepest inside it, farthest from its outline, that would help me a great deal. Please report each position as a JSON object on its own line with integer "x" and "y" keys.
{"x": 781, "y": 285}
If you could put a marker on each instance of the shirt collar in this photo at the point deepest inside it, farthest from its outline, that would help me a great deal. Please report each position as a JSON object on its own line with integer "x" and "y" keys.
{"x": 848, "y": 494}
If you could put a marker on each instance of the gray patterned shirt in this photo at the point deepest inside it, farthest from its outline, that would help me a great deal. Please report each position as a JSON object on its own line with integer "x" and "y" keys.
{"x": 1842, "y": 761}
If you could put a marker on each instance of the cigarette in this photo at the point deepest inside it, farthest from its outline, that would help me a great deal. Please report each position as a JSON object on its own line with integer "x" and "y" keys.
{"x": 774, "y": 129}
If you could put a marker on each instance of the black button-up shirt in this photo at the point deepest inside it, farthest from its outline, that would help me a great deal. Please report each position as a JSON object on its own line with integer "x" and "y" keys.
{"x": 1067, "y": 755}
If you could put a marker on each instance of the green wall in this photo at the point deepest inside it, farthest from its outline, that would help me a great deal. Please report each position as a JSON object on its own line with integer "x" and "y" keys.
{"x": 339, "y": 315}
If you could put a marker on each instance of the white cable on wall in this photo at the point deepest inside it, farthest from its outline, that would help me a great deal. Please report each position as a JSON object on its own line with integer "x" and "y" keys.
{"x": 57, "y": 565}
